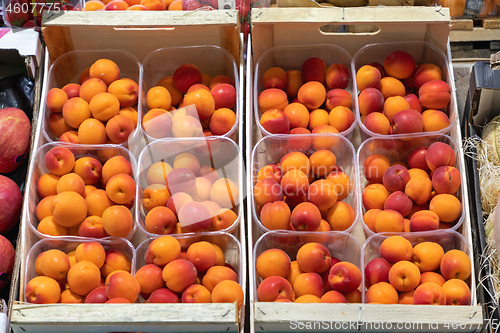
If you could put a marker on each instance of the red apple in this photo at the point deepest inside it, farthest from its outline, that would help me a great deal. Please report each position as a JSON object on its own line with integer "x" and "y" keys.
{"x": 15, "y": 134}
{"x": 6, "y": 261}
{"x": 11, "y": 201}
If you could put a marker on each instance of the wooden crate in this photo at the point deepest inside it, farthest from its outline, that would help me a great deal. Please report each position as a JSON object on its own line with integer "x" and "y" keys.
{"x": 289, "y": 26}
{"x": 139, "y": 35}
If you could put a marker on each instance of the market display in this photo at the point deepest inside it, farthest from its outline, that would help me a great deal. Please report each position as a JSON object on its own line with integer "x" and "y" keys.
{"x": 214, "y": 99}
{"x": 90, "y": 195}
{"x": 341, "y": 185}
{"x": 405, "y": 270}
{"x": 308, "y": 90}
{"x": 99, "y": 109}
{"x": 417, "y": 189}
{"x": 399, "y": 97}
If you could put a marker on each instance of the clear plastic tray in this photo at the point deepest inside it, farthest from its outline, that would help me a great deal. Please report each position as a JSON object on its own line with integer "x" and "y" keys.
{"x": 397, "y": 149}
{"x": 271, "y": 149}
{"x": 67, "y": 68}
{"x": 341, "y": 245}
{"x": 100, "y": 152}
{"x": 227, "y": 243}
{"x": 291, "y": 58}
{"x": 66, "y": 245}
{"x": 209, "y": 59}
{"x": 221, "y": 153}
{"x": 422, "y": 52}
{"x": 448, "y": 239}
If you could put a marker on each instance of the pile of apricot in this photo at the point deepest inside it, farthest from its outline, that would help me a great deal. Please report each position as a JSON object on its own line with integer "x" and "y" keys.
{"x": 100, "y": 109}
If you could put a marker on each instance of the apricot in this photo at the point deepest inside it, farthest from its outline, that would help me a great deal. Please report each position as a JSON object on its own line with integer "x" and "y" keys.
{"x": 274, "y": 77}
{"x": 308, "y": 284}
{"x": 179, "y": 274}
{"x": 49, "y": 226}
{"x": 106, "y": 70}
{"x": 306, "y": 217}
{"x": 68, "y": 209}
{"x": 390, "y": 86}
{"x": 204, "y": 102}
{"x": 435, "y": 120}
{"x": 91, "y": 251}
{"x": 228, "y": 291}
{"x": 272, "y": 171}
{"x": 432, "y": 277}
{"x": 434, "y": 94}
{"x": 370, "y": 100}
{"x": 92, "y": 132}
{"x": 54, "y": 264}
{"x": 55, "y": 99}
{"x": 275, "y": 215}
{"x": 83, "y": 277}
{"x": 312, "y": 94}
{"x": 399, "y": 64}
{"x": 325, "y": 141}
{"x": 272, "y": 98}
{"x": 368, "y": 77}
{"x": 337, "y": 76}
{"x": 457, "y": 292}
{"x": 42, "y": 290}
{"x": 340, "y": 216}
{"x": 374, "y": 196}
{"x": 424, "y": 220}
{"x": 58, "y": 125}
{"x": 297, "y": 114}
{"x": 396, "y": 248}
{"x": 317, "y": 118}
{"x": 404, "y": 276}
{"x": 295, "y": 161}
{"x": 374, "y": 167}
{"x": 322, "y": 193}
{"x": 427, "y": 256}
{"x": 217, "y": 274}
{"x": 272, "y": 262}
{"x": 222, "y": 121}
{"x": 104, "y": 106}
{"x": 369, "y": 218}
{"x": 389, "y": 221}
{"x": 122, "y": 284}
{"x": 294, "y": 82}
{"x": 275, "y": 122}
{"x": 92, "y": 87}
{"x": 455, "y": 264}
{"x": 393, "y": 105}
{"x": 338, "y": 97}
{"x": 117, "y": 221}
{"x": 341, "y": 118}
{"x": 399, "y": 202}
{"x": 424, "y": 73}
{"x": 419, "y": 189}
{"x": 313, "y": 69}
{"x": 115, "y": 260}
{"x": 75, "y": 111}
{"x": 342, "y": 183}
{"x": 446, "y": 206}
{"x": 378, "y": 123}
{"x": 382, "y": 293}
{"x": 47, "y": 185}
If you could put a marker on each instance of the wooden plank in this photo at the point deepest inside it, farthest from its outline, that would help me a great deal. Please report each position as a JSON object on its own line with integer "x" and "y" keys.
{"x": 491, "y": 23}
{"x": 368, "y": 317}
{"x": 391, "y": 2}
{"x": 474, "y": 35}
{"x": 462, "y": 24}
{"x": 141, "y": 34}
{"x": 105, "y": 317}
{"x": 273, "y": 27}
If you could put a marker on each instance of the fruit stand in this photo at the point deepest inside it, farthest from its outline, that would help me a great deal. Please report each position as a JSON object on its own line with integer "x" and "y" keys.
{"x": 309, "y": 29}
{"x": 266, "y": 228}
{"x": 61, "y": 36}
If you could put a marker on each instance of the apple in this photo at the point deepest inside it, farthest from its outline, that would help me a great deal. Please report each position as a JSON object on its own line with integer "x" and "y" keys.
{"x": 6, "y": 261}
{"x": 15, "y": 135}
{"x": 11, "y": 201}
